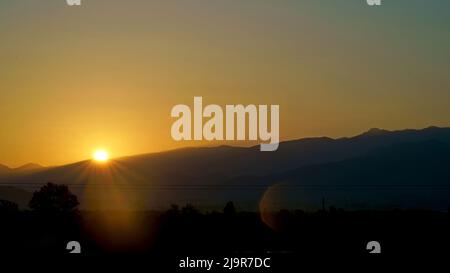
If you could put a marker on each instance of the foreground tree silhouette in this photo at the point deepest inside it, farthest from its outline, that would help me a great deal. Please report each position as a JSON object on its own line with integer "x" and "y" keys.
{"x": 189, "y": 209}
{"x": 8, "y": 207}
{"x": 54, "y": 198}
{"x": 229, "y": 209}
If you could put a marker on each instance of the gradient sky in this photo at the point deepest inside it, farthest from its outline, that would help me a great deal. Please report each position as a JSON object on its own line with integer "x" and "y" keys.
{"x": 107, "y": 74}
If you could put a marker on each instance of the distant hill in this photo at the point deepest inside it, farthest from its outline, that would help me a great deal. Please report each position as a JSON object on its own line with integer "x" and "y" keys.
{"x": 405, "y": 175}
{"x": 19, "y": 196}
{"x": 28, "y": 167}
{"x": 4, "y": 169}
{"x": 209, "y": 176}
{"x": 25, "y": 168}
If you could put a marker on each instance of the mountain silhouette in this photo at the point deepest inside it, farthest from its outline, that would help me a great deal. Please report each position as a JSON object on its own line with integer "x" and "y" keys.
{"x": 24, "y": 168}
{"x": 19, "y": 196}
{"x": 4, "y": 169}
{"x": 405, "y": 175}
{"x": 213, "y": 175}
{"x": 28, "y": 167}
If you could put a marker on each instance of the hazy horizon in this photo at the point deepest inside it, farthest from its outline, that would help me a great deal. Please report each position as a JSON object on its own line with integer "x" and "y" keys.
{"x": 214, "y": 144}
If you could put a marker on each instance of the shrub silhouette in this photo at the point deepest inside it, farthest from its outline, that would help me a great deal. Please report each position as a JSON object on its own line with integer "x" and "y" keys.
{"x": 173, "y": 211}
{"x": 8, "y": 207}
{"x": 229, "y": 209}
{"x": 54, "y": 198}
{"x": 189, "y": 209}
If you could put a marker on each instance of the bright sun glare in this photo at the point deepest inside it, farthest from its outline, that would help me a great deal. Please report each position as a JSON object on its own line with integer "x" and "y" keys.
{"x": 100, "y": 156}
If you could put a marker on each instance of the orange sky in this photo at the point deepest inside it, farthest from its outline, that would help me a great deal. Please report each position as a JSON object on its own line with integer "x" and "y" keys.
{"x": 107, "y": 74}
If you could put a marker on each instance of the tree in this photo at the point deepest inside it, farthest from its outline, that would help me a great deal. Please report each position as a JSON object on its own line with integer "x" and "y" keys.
{"x": 174, "y": 210}
{"x": 189, "y": 209}
{"x": 54, "y": 198}
{"x": 229, "y": 209}
{"x": 8, "y": 206}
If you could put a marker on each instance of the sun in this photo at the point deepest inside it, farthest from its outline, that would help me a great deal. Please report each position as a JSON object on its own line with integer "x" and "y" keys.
{"x": 100, "y": 156}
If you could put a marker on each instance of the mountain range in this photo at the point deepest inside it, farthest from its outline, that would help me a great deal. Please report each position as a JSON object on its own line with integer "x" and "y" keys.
{"x": 24, "y": 168}
{"x": 376, "y": 169}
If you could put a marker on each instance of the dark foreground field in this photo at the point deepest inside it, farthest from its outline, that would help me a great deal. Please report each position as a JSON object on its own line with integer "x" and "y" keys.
{"x": 185, "y": 232}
